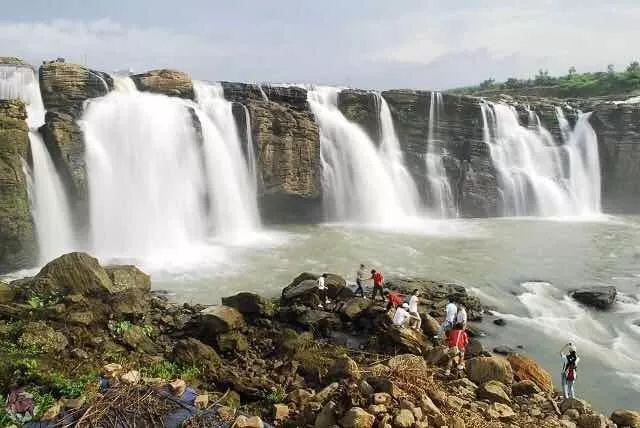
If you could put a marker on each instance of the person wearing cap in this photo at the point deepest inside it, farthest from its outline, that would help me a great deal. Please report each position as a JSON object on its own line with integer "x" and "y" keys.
{"x": 402, "y": 316}
{"x": 570, "y": 362}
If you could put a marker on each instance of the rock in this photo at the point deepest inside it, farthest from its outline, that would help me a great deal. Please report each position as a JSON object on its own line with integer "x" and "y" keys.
{"x": 504, "y": 350}
{"x": 592, "y": 421}
{"x": 626, "y": 418}
{"x": 192, "y": 352}
{"x": 326, "y": 418}
{"x": 73, "y": 403}
{"x": 526, "y": 368}
{"x": 597, "y": 297}
{"x": 51, "y": 413}
{"x": 299, "y": 396}
{"x": 457, "y": 422}
{"x": 404, "y": 419}
{"x": 408, "y": 339}
{"x": 131, "y": 377}
{"x": 301, "y": 291}
{"x": 220, "y": 319}
{"x": 356, "y": 417}
{"x": 430, "y": 326}
{"x": 571, "y": 414}
{"x": 177, "y": 387}
{"x": 355, "y": 307}
{"x": 250, "y": 304}
{"x": 314, "y": 318}
{"x": 384, "y": 384}
{"x": 201, "y": 401}
{"x": 484, "y": 369}
{"x": 344, "y": 368}
{"x": 365, "y": 388}
{"x": 245, "y": 422}
{"x": 39, "y": 336}
{"x": 500, "y": 411}
{"x": 382, "y": 398}
{"x": 280, "y": 412}
{"x": 18, "y": 243}
{"x": 167, "y": 82}
{"x": 438, "y": 356}
{"x": 232, "y": 341}
{"x": 500, "y": 322}
{"x": 407, "y": 361}
{"x": 493, "y": 391}
{"x": 525, "y": 387}
{"x": 429, "y": 407}
{"x": 128, "y": 277}
{"x": 136, "y": 338}
{"x": 474, "y": 348}
{"x": 326, "y": 393}
{"x": 574, "y": 403}
{"x": 376, "y": 409}
{"x": 111, "y": 370}
{"x": 362, "y": 108}
{"x": 7, "y": 294}
{"x": 80, "y": 354}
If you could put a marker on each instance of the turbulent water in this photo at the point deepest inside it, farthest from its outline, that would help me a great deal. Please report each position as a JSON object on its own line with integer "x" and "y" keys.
{"x": 361, "y": 184}
{"x": 49, "y": 202}
{"x": 538, "y": 176}
{"x": 158, "y": 192}
{"x": 518, "y": 267}
{"x": 441, "y": 201}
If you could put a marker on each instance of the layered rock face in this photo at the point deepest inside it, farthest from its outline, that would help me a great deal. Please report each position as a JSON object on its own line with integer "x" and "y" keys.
{"x": 65, "y": 88}
{"x": 167, "y": 82}
{"x": 362, "y": 107}
{"x": 287, "y": 142}
{"x": 17, "y": 235}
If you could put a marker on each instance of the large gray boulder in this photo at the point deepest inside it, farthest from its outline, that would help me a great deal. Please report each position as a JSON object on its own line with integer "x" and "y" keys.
{"x": 167, "y": 82}
{"x": 597, "y": 297}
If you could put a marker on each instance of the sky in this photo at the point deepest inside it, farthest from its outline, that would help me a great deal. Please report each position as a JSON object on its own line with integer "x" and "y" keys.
{"x": 374, "y": 44}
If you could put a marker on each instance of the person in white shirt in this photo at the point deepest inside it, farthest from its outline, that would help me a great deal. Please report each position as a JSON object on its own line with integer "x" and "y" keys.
{"x": 413, "y": 309}
{"x": 461, "y": 317}
{"x": 402, "y": 316}
{"x": 451, "y": 312}
{"x": 322, "y": 290}
{"x": 570, "y": 362}
{"x": 360, "y": 279}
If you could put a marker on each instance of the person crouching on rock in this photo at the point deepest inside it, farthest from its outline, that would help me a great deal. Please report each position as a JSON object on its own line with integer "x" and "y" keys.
{"x": 570, "y": 362}
{"x": 413, "y": 309}
{"x": 394, "y": 299}
{"x": 378, "y": 281}
{"x": 457, "y": 340}
{"x": 401, "y": 317}
{"x": 322, "y": 290}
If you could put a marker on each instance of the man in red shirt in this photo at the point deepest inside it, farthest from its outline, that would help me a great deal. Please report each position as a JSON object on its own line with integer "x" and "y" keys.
{"x": 378, "y": 280}
{"x": 394, "y": 299}
{"x": 457, "y": 339}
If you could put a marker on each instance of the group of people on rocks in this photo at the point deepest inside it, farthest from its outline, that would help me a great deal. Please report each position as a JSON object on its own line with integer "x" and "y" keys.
{"x": 453, "y": 329}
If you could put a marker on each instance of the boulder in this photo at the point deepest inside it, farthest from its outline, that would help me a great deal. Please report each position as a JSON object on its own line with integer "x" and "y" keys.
{"x": 626, "y": 418}
{"x": 525, "y": 387}
{"x": 326, "y": 418}
{"x": 18, "y": 243}
{"x": 250, "y": 304}
{"x": 474, "y": 348}
{"x": 357, "y": 417}
{"x": 136, "y": 338}
{"x": 503, "y": 350}
{"x": 192, "y": 352}
{"x": 526, "y": 368}
{"x": 343, "y": 367}
{"x": 597, "y": 297}
{"x": 326, "y": 393}
{"x": 404, "y": 419}
{"x": 408, "y": 340}
{"x": 40, "y": 337}
{"x": 128, "y": 277}
{"x": 430, "y": 326}
{"x": 355, "y": 307}
{"x": 167, "y": 82}
{"x": 493, "y": 391}
{"x": 406, "y": 361}
{"x": 232, "y": 341}
{"x": 574, "y": 404}
{"x": 131, "y": 377}
{"x": 500, "y": 411}
{"x": 7, "y": 294}
{"x": 304, "y": 292}
{"x": 220, "y": 319}
{"x": 484, "y": 369}
{"x": 592, "y": 421}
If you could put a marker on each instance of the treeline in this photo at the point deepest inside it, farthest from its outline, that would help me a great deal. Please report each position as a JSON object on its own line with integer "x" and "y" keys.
{"x": 573, "y": 84}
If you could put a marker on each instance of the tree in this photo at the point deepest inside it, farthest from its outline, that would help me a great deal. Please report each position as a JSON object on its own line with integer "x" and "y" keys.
{"x": 634, "y": 67}
{"x": 487, "y": 83}
{"x": 611, "y": 69}
{"x": 572, "y": 71}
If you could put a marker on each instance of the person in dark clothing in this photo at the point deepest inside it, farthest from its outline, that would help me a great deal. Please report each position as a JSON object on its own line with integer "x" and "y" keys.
{"x": 360, "y": 278}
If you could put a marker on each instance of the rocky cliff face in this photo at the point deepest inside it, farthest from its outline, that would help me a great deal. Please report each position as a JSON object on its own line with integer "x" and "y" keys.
{"x": 287, "y": 143}
{"x": 362, "y": 107}
{"x": 167, "y": 82}
{"x": 18, "y": 245}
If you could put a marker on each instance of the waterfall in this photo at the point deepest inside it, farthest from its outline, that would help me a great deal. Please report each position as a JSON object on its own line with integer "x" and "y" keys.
{"x": 530, "y": 165}
{"x": 231, "y": 177}
{"x": 150, "y": 174}
{"x": 49, "y": 202}
{"x": 358, "y": 180}
{"x": 249, "y": 148}
{"x": 441, "y": 200}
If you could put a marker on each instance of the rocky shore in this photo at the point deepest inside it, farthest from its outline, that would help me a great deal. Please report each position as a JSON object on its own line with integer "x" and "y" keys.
{"x": 88, "y": 345}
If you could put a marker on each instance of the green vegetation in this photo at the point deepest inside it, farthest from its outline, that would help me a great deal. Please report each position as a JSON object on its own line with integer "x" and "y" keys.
{"x": 573, "y": 84}
{"x": 275, "y": 396}
{"x": 168, "y": 371}
{"x": 122, "y": 326}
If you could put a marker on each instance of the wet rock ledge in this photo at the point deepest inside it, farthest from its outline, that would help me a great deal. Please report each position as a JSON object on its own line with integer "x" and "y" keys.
{"x": 83, "y": 344}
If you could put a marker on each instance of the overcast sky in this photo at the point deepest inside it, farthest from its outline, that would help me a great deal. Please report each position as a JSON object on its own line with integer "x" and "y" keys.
{"x": 368, "y": 44}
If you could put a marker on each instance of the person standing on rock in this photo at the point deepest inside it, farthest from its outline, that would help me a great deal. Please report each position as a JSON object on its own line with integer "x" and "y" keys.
{"x": 451, "y": 312}
{"x": 461, "y": 317}
{"x": 401, "y": 317}
{"x": 378, "y": 281}
{"x": 360, "y": 278}
{"x": 457, "y": 340}
{"x": 322, "y": 290}
{"x": 413, "y": 309}
{"x": 570, "y": 362}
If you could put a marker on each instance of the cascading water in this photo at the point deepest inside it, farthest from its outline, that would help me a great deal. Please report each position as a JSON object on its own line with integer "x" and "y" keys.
{"x": 441, "y": 200}
{"x": 531, "y": 166}
{"x": 49, "y": 202}
{"x": 358, "y": 181}
{"x": 150, "y": 175}
{"x": 231, "y": 177}
{"x": 249, "y": 148}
